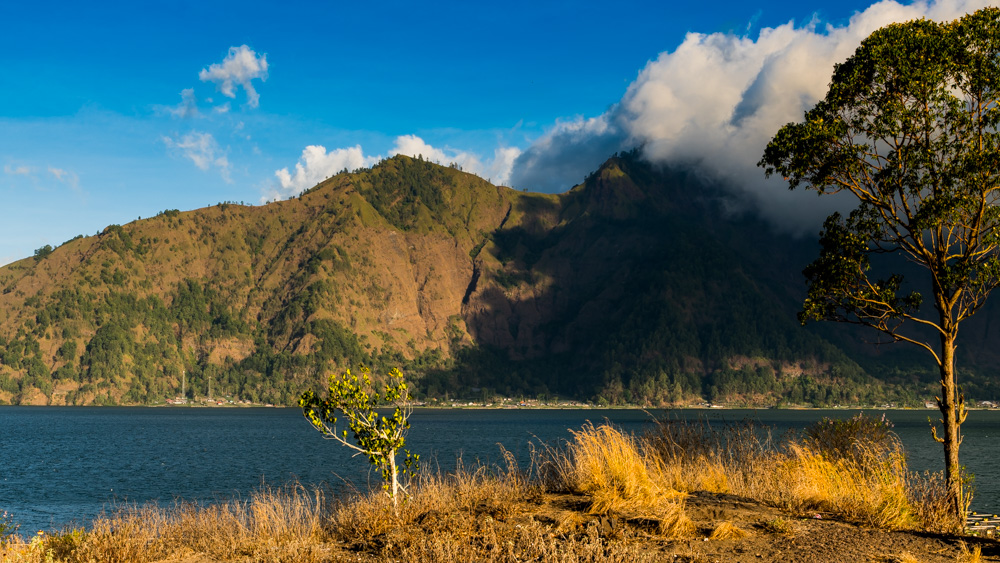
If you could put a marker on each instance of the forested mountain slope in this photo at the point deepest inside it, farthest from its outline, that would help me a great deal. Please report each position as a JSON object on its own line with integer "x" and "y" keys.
{"x": 632, "y": 287}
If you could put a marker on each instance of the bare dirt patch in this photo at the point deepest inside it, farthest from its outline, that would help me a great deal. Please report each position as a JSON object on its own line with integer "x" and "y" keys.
{"x": 751, "y": 532}
{"x": 774, "y": 535}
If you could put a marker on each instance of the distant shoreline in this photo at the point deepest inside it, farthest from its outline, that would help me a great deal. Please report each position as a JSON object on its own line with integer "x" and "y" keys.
{"x": 554, "y": 407}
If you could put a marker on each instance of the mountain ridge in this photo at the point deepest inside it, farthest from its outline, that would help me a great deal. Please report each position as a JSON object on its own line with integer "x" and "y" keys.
{"x": 632, "y": 287}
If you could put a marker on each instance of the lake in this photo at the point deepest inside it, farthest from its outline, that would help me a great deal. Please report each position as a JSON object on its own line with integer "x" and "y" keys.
{"x": 61, "y": 466}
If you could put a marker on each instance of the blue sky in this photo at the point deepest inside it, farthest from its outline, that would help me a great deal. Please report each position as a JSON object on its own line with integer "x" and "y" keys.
{"x": 113, "y": 111}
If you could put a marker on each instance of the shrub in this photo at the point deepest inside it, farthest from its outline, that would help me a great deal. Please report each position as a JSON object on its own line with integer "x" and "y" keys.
{"x": 845, "y": 439}
{"x": 377, "y": 437}
{"x": 7, "y": 526}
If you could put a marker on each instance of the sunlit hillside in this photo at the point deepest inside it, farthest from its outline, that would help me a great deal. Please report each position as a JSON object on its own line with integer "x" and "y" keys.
{"x": 633, "y": 287}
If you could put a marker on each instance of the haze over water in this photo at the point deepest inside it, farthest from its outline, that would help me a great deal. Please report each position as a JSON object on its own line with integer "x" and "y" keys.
{"x": 62, "y": 466}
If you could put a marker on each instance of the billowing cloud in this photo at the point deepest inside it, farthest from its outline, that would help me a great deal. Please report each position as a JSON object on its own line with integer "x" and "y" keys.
{"x": 240, "y": 67}
{"x": 496, "y": 169}
{"x": 714, "y": 103}
{"x": 412, "y": 145}
{"x": 316, "y": 164}
{"x": 502, "y": 163}
{"x": 202, "y": 150}
{"x": 568, "y": 152}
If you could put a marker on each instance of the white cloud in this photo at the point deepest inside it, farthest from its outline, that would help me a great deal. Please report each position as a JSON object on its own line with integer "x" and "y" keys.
{"x": 316, "y": 164}
{"x": 717, "y": 99}
{"x": 71, "y": 179}
{"x": 240, "y": 67}
{"x": 566, "y": 153}
{"x": 203, "y": 150}
{"x": 16, "y": 170}
{"x": 502, "y": 163}
{"x": 496, "y": 169}
{"x": 187, "y": 108}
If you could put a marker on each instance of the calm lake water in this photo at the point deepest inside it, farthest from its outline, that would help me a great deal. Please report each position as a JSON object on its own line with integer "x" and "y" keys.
{"x": 60, "y": 467}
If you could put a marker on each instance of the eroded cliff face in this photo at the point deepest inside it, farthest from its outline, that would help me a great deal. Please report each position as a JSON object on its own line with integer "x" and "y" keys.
{"x": 379, "y": 262}
{"x": 636, "y": 281}
{"x": 560, "y": 270}
{"x": 407, "y": 258}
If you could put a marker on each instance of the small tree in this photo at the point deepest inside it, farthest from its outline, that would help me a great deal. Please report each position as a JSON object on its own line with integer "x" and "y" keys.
{"x": 908, "y": 128}
{"x": 43, "y": 252}
{"x": 377, "y": 437}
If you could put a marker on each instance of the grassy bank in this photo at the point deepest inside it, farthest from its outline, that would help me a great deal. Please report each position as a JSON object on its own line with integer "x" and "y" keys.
{"x": 603, "y": 496}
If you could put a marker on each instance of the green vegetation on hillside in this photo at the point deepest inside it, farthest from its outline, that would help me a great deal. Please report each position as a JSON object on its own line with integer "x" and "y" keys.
{"x": 631, "y": 288}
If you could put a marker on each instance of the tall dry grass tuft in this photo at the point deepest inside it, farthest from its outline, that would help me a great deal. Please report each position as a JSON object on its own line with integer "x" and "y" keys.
{"x": 132, "y": 534}
{"x": 608, "y": 465}
{"x": 928, "y": 494}
{"x": 870, "y": 487}
{"x": 272, "y": 525}
{"x": 366, "y": 521}
{"x": 700, "y": 457}
{"x": 619, "y": 476}
{"x": 475, "y": 514}
{"x": 973, "y": 556}
{"x": 279, "y": 523}
{"x": 856, "y": 468}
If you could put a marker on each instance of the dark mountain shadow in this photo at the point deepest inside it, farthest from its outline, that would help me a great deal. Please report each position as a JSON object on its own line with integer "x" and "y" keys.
{"x": 636, "y": 274}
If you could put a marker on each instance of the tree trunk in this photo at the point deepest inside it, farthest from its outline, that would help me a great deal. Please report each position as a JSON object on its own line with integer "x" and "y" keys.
{"x": 952, "y": 415}
{"x": 394, "y": 490}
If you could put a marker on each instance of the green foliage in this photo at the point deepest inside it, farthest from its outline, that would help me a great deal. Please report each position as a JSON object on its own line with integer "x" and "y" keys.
{"x": 375, "y": 436}
{"x": 407, "y": 192}
{"x": 909, "y": 129}
{"x": 116, "y": 239}
{"x": 849, "y": 439}
{"x": 43, "y": 252}
{"x": 629, "y": 291}
{"x": 7, "y": 526}
{"x": 106, "y": 352}
{"x": 474, "y": 252}
{"x": 509, "y": 280}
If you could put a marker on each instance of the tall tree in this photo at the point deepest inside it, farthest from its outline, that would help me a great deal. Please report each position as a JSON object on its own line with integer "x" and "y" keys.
{"x": 908, "y": 129}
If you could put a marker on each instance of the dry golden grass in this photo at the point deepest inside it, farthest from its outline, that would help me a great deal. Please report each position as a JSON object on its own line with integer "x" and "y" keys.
{"x": 504, "y": 514}
{"x": 619, "y": 477}
{"x": 778, "y": 526}
{"x": 476, "y": 514}
{"x": 472, "y": 515}
{"x": 973, "y": 556}
{"x": 273, "y": 525}
{"x": 871, "y": 489}
{"x": 867, "y": 483}
{"x": 928, "y": 494}
{"x": 608, "y": 465}
{"x": 726, "y": 530}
